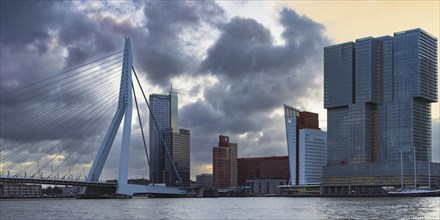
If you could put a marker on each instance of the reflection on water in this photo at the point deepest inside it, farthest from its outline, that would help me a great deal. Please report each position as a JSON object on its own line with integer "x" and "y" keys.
{"x": 223, "y": 208}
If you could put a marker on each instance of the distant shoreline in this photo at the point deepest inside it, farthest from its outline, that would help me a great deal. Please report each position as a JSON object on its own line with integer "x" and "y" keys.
{"x": 263, "y": 196}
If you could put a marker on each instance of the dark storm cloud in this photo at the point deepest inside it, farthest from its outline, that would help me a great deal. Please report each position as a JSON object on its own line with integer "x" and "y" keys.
{"x": 25, "y": 23}
{"x": 246, "y": 47}
{"x": 256, "y": 77}
{"x": 29, "y": 28}
{"x": 161, "y": 51}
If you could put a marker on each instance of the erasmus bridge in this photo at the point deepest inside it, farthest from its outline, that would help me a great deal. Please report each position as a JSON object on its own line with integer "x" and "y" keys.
{"x": 60, "y": 130}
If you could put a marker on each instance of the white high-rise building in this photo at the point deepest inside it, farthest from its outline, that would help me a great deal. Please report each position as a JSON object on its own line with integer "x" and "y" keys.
{"x": 306, "y": 145}
{"x": 312, "y": 155}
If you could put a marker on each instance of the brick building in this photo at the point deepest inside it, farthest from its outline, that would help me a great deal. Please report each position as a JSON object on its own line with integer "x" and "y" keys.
{"x": 263, "y": 167}
{"x": 224, "y": 163}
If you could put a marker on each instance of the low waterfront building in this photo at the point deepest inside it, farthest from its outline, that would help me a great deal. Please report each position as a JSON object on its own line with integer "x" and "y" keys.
{"x": 265, "y": 186}
{"x": 205, "y": 180}
{"x": 263, "y": 167}
{"x": 300, "y": 190}
{"x": 14, "y": 190}
{"x": 378, "y": 178}
{"x": 71, "y": 191}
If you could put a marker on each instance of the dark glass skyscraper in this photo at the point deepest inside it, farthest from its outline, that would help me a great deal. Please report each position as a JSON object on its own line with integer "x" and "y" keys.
{"x": 179, "y": 151}
{"x": 378, "y": 94}
{"x": 165, "y": 111}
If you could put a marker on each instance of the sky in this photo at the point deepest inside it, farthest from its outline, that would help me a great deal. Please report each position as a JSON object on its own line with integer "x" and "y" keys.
{"x": 233, "y": 63}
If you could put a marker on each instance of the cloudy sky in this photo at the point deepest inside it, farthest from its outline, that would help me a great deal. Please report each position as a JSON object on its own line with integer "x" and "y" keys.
{"x": 234, "y": 63}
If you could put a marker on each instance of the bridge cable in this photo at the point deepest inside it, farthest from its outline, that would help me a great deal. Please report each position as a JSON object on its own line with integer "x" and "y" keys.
{"x": 80, "y": 144}
{"x": 49, "y": 112}
{"x": 140, "y": 124}
{"x": 55, "y": 112}
{"x": 54, "y": 122}
{"x": 52, "y": 98}
{"x": 40, "y": 148}
{"x": 65, "y": 136}
{"x": 82, "y": 99}
{"x": 84, "y": 131}
{"x": 61, "y": 73}
{"x": 51, "y": 125}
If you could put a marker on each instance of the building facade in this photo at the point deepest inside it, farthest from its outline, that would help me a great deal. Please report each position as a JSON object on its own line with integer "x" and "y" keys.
{"x": 160, "y": 109}
{"x": 378, "y": 94}
{"x": 265, "y": 185}
{"x": 164, "y": 109}
{"x": 180, "y": 152}
{"x": 224, "y": 163}
{"x": 205, "y": 180}
{"x": 263, "y": 168}
{"x": 295, "y": 121}
{"x": 312, "y": 155}
{"x": 14, "y": 190}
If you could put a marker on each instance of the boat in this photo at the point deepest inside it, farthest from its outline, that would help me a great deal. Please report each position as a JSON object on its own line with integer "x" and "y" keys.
{"x": 416, "y": 191}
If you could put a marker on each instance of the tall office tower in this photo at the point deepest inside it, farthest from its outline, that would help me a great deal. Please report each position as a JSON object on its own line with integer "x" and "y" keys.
{"x": 378, "y": 94}
{"x": 179, "y": 148}
{"x": 224, "y": 163}
{"x": 164, "y": 108}
{"x": 295, "y": 120}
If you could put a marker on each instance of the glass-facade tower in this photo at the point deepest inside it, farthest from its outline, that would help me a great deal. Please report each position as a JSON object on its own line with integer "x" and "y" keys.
{"x": 290, "y": 115}
{"x": 164, "y": 108}
{"x": 179, "y": 148}
{"x": 378, "y": 94}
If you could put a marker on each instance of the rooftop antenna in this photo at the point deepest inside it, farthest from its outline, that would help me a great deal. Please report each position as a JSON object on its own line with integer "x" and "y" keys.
{"x": 171, "y": 87}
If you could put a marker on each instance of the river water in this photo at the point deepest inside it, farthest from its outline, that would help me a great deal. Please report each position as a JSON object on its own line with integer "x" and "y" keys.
{"x": 224, "y": 208}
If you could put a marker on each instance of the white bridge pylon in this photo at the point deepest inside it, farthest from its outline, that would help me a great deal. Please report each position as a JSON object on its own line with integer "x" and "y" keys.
{"x": 124, "y": 108}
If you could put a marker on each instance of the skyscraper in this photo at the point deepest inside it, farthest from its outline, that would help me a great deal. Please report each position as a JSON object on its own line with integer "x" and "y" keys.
{"x": 180, "y": 152}
{"x": 378, "y": 94}
{"x": 165, "y": 111}
{"x": 224, "y": 163}
{"x": 305, "y": 154}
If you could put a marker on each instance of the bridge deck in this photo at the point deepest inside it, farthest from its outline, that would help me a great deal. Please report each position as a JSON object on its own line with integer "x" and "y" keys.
{"x": 126, "y": 189}
{"x": 56, "y": 182}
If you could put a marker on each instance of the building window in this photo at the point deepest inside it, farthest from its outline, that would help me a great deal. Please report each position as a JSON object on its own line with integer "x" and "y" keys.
{"x": 253, "y": 174}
